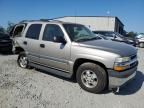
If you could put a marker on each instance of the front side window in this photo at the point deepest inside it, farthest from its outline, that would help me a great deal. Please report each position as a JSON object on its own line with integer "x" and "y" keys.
{"x": 78, "y": 32}
{"x": 51, "y": 32}
{"x": 34, "y": 31}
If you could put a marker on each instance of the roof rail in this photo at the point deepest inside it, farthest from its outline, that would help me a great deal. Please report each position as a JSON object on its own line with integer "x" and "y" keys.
{"x": 47, "y": 20}
{"x": 50, "y": 20}
{"x": 23, "y": 21}
{"x": 44, "y": 19}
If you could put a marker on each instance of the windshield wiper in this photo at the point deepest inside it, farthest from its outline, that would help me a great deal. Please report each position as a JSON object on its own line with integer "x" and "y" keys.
{"x": 95, "y": 38}
{"x": 80, "y": 40}
{"x": 86, "y": 39}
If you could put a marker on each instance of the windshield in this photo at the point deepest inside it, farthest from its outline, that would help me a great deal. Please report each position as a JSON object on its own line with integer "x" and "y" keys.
{"x": 110, "y": 34}
{"x": 102, "y": 36}
{"x": 107, "y": 34}
{"x": 79, "y": 32}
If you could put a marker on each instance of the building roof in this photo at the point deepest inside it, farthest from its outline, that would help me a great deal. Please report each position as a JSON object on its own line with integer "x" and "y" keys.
{"x": 92, "y": 16}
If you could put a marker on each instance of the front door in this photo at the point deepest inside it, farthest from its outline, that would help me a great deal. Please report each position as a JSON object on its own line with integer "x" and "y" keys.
{"x": 54, "y": 54}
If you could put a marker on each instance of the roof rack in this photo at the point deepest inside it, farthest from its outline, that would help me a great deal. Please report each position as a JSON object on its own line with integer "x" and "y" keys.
{"x": 23, "y": 21}
{"x": 50, "y": 20}
{"x": 45, "y": 20}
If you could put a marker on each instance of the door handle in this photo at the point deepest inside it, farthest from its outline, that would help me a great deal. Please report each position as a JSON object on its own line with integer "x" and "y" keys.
{"x": 42, "y": 45}
{"x": 25, "y": 42}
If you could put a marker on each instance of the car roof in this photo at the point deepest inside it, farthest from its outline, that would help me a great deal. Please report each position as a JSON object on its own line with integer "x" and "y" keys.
{"x": 45, "y": 21}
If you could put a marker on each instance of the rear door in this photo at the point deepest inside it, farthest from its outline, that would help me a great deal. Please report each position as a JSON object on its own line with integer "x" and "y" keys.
{"x": 31, "y": 42}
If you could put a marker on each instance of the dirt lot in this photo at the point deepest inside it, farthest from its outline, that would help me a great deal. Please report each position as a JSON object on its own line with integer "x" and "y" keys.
{"x": 23, "y": 88}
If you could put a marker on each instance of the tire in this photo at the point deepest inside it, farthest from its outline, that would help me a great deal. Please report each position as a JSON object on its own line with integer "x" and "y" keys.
{"x": 22, "y": 60}
{"x": 91, "y": 77}
{"x": 141, "y": 45}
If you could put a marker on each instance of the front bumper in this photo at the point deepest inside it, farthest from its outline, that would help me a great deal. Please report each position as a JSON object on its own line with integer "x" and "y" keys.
{"x": 118, "y": 79}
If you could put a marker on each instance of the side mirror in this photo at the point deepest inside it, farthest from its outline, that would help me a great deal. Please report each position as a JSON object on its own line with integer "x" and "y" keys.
{"x": 59, "y": 39}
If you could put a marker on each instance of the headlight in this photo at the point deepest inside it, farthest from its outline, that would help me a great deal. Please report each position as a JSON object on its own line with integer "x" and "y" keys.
{"x": 123, "y": 59}
{"x": 121, "y": 64}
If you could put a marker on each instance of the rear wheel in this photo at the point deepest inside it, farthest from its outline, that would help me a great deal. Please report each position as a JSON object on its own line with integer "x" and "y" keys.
{"x": 91, "y": 77}
{"x": 22, "y": 60}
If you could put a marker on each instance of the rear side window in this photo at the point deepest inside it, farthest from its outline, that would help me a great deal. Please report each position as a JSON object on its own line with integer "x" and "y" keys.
{"x": 11, "y": 31}
{"x": 18, "y": 30}
{"x": 34, "y": 31}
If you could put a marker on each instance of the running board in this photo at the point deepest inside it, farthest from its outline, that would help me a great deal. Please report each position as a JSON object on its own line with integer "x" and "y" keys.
{"x": 52, "y": 71}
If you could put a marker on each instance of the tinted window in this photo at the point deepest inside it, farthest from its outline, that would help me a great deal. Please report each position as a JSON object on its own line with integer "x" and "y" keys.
{"x": 107, "y": 34}
{"x": 34, "y": 31}
{"x": 18, "y": 31}
{"x": 11, "y": 31}
{"x": 51, "y": 31}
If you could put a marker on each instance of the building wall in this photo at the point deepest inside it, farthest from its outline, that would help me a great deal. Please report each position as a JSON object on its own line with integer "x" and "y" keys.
{"x": 95, "y": 23}
{"x": 119, "y": 27}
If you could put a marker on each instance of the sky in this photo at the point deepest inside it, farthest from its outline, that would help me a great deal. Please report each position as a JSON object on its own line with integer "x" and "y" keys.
{"x": 130, "y": 12}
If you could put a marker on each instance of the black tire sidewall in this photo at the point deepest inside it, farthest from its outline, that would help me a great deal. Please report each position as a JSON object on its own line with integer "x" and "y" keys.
{"x": 100, "y": 73}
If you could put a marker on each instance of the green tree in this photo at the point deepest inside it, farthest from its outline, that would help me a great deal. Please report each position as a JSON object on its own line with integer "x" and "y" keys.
{"x": 2, "y": 30}
{"x": 10, "y": 26}
{"x": 131, "y": 34}
{"x": 142, "y": 33}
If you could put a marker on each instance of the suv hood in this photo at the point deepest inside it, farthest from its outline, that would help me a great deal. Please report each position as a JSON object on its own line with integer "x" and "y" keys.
{"x": 121, "y": 49}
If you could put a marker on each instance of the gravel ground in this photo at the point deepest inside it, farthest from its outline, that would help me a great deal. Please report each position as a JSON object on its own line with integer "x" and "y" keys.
{"x": 23, "y": 88}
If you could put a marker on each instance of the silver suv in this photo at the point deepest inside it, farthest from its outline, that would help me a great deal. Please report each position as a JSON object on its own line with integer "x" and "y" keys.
{"x": 72, "y": 50}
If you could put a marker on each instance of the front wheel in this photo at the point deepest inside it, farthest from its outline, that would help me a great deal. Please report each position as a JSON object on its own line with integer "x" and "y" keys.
{"x": 91, "y": 77}
{"x": 22, "y": 60}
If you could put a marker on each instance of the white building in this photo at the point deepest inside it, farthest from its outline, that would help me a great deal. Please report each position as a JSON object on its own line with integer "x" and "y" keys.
{"x": 96, "y": 23}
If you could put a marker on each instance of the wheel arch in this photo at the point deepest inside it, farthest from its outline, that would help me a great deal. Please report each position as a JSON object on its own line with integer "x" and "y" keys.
{"x": 80, "y": 61}
{"x": 19, "y": 50}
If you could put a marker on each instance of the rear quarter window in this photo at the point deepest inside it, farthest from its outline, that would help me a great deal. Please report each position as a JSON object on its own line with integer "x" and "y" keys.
{"x": 18, "y": 30}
